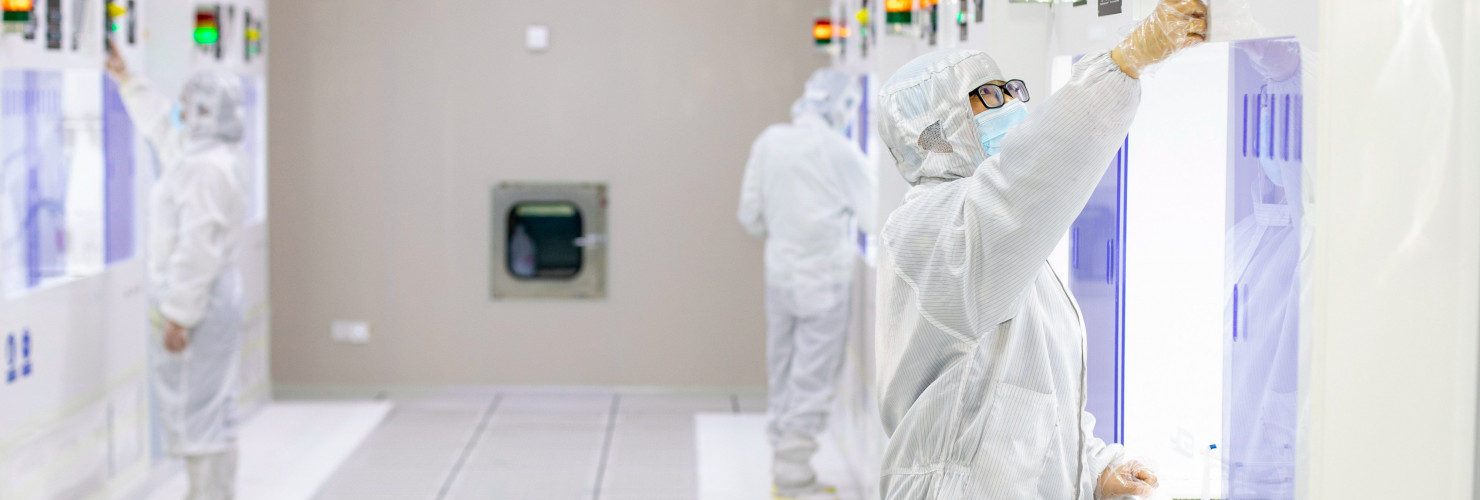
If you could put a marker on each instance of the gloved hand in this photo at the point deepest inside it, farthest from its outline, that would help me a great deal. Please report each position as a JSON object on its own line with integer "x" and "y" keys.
{"x": 176, "y": 338}
{"x": 116, "y": 67}
{"x": 1173, "y": 26}
{"x": 1124, "y": 479}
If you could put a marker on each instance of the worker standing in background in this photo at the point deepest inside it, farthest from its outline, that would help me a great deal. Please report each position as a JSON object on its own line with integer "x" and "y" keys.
{"x": 196, "y": 208}
{"x": 805, "y": 187}
{"x": 981, "y": 347}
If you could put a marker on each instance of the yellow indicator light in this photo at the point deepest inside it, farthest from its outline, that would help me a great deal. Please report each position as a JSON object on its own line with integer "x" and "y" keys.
{"x": 254, "y": 34}
{"x": 862, "y": 16}
{"x": 116, "y": 10}
{"x": 16, "y": 5}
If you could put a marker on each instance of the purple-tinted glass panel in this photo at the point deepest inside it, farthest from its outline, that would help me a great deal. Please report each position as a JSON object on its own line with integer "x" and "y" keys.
{"x": 118, "y": 188}
{"x": 1097, "y": 264}
{"x": 863, "y": 115}
{"x": 1262, "y": 294}
{"x": 34, "y": 175}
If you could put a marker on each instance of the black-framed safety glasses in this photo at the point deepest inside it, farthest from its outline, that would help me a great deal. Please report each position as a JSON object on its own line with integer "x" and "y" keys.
{"x": 994, "y": 96}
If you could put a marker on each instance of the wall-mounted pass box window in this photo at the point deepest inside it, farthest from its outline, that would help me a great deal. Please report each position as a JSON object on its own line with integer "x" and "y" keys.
{"x": 548, "y": 241}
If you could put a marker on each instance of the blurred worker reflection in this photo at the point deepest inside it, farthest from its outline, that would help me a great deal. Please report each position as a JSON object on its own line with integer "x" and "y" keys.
{"x": 805, "y": 187}
{"x": 981, "y": 348}
{"x": 196, "y": 210}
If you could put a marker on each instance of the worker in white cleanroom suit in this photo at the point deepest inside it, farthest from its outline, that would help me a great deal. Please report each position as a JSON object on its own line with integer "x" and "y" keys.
{"x": 196, "y": 211}
{"x": 980, "y": 343}
{"x": 805, "y": 187}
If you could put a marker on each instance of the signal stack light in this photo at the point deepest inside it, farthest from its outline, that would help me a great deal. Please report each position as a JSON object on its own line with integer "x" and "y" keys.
{"x": 17, "y": 14}
{"x": 207, "y": 27}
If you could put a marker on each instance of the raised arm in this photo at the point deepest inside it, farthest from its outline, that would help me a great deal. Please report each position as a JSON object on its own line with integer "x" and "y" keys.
{"x": 1017, "y": 206}
{"x": 149, "y": 110}
{"x": 1050, "y": 164}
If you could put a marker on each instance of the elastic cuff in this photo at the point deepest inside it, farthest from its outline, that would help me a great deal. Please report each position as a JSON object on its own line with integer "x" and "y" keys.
{"x": 179, "y": 315}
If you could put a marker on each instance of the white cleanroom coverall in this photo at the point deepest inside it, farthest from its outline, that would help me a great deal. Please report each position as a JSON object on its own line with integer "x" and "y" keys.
{"x": 804, "y": 187}
{"x": 196, "y": 211}
{"x": 980, "y": 343}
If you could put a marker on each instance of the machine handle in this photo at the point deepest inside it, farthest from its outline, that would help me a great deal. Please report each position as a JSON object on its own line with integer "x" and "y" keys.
{"x": 1235, "y": 312}
{"x": 1074, "y": 249}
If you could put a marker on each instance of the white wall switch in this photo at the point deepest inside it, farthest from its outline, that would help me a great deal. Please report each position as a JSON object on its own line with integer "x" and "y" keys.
{"x": 352, "y": 332}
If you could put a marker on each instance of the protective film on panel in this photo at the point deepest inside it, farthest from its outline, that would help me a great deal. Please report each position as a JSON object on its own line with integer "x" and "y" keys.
{"x": 1097, "y": 270}
{"x": 1262, "y": 269}
{"x": 253, "y": 146}
{"x": 34, "y": 180}
{"x": 118, "y": 185}
{"x": 66, "y": 178}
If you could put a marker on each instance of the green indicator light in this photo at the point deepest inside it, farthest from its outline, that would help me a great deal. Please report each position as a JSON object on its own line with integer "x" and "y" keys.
{"x": 960, "y": 18}
{"x": 12, "y": 16}
{"x": 207, "y": 35}
{"x": 898, "y": 18}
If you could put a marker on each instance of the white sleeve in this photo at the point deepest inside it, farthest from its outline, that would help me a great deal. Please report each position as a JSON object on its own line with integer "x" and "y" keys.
{"x": 209, "y": 209}
{"x": 1098, "y": 455}
{"x": 752, "y": 199}
{"x": 151, "y": 116}
{"x": 860, "y": 183}
{"x": 1016, "y": 212}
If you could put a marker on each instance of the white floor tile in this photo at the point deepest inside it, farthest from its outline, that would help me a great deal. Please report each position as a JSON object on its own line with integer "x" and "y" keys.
{"x": 734, "y": 459}
{"x": 289, "y": 450}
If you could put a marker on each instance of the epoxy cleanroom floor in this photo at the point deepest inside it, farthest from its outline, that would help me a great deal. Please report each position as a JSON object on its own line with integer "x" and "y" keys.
{"x": 517, "y": 444}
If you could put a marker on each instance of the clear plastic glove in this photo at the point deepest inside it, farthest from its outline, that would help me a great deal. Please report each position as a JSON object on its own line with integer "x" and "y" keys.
{"x": 1173, "y": 26}
{"x": 1126, "y": 479}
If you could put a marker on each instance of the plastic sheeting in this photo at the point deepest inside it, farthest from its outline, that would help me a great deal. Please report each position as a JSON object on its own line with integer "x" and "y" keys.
{"x": 1262, "y": 258}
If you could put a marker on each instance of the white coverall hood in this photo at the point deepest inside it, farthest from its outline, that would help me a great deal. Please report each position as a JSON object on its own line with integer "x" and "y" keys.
{"x": 213, "y": 106}
{"x": 830, "y": 95}
{"x": 925, "y": 115}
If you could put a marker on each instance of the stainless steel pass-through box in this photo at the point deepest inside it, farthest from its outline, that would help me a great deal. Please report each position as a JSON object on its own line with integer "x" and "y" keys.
{"x": 549, "y": 240}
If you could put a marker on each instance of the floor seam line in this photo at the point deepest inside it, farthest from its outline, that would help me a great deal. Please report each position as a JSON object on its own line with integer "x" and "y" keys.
{"x": 606, "y": 447}
{"x": 468, "y": 448}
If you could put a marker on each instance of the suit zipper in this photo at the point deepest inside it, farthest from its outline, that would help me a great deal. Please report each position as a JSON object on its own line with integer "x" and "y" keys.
{"x": 1083, "y": 381}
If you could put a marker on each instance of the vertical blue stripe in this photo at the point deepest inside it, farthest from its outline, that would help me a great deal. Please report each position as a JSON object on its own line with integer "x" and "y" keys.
{"x": 118, "y": 190}
{"x": 1123, "y": 186}
{"x": 31, "y": 107}
{"x": 1244, "y": 132}
{"x": 1285, "y": 124}
{"x": 1258, "y": 118}
{"x": 863, "y": 129}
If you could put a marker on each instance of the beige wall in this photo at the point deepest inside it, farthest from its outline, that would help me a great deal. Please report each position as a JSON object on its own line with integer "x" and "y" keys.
{"x": 389, "y": 124}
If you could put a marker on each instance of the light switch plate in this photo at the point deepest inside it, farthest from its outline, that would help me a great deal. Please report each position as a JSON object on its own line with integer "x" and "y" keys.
{"x": 537, "y": 38}
{"x": 351, "y": 332}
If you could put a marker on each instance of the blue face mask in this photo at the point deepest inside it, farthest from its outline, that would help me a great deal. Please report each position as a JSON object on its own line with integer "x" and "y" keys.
{"x": 993, "y": 124}
{"x": 177, "y": 116}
